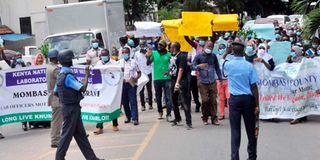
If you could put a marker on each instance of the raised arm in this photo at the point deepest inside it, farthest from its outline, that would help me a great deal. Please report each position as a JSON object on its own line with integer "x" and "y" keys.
{"x": 194, "y": 45}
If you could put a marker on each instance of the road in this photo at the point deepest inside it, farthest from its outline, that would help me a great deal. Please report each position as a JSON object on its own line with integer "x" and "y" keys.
{"x": 158, "y": 140}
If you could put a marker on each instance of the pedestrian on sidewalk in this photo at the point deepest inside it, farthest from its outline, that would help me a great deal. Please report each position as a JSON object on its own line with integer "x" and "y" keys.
{"x": 208, "y": 68}
{"x": 105, "y": 59}
{"x": 129, "y": 92}
{"x": 52, "y": 72}
{"x": 180, "y": 81}
{"x": 69, "y": 90}
{"x": 244, "y": 100}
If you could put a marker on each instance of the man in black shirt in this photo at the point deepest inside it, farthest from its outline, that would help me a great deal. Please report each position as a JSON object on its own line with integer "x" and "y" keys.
{"x": 180, "y": 81}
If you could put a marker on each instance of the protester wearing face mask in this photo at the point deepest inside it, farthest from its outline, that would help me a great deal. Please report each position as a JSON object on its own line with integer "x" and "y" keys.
{"x": 265, "y": 58}
{"x": 197, "y": 45}
{"x": 129, "y": 92}
{"x": 93, "y": 54}
{"x": 208, "y": 67}
{"x": 162, "y": 79}
{"x": 105, "y": 59}
{"x": 115, "y": 54}
{"x": 222, "y": 86}
{"x": 296, "y": 56}
{"x": 312, "y": 52}
{"x": 141, "y": 59}
{"x": 133, "y": 48}
{"x": 250, "y": 52}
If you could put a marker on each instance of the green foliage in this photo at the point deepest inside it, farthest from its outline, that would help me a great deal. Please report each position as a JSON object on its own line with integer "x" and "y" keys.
{"x": 44, "y": 48}
{"x": 247, "y": 33}
{"x": 171, "y": 11}
{"x": 312, "y": 23}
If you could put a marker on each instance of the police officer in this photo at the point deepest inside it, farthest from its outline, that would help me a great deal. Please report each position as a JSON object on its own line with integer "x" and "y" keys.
{"x": 69, "y": 90}
{"x": 52, "y": 72}
{"x": 244, "y": 100}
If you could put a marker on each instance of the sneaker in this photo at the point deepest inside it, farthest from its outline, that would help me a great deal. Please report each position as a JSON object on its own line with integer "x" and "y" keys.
{"x": 115, "y": 128}
{"x": 221, "y": 117}
{"x": 189, "y": 126}
{"x": 135, "y": 122}
{"x": 175, "y": 123}
{"x": 54, "y": 146}
{"x": 198, "y": 108}
{"x": 215, "y": 122}
{"x": 98, "y": 131}
{"x": 143, "y": 108}
{"x": 150, "y": 107}
{"x": 205, "y": 122}
{"x": 1, "y": 136}
{"x": 160, "y": 116}
{"x": 127, "y": 121}
{"x": 168, "y": 118}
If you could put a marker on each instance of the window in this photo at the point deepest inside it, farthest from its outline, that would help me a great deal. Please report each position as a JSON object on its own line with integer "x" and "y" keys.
{"x": 25, "y": 25}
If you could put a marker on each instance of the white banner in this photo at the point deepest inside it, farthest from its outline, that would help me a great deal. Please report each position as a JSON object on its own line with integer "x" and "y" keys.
{"x": 24, "y": 94}
{"x": 147, "y": 29}
{"x": 289, "y": 92}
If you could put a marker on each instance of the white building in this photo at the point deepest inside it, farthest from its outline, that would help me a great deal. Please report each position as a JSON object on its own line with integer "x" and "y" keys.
{"x": 27, "y": 16}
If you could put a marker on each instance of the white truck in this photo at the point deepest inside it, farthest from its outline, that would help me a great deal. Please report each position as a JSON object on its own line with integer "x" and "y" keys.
{"x": 73, "y": 26}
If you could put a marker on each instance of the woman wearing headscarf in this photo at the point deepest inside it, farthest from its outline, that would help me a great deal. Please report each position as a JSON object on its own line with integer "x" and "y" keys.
{"x": 38, "y": 60}
{"x": 264, "y": 57}
{"x": 296, "y": 57}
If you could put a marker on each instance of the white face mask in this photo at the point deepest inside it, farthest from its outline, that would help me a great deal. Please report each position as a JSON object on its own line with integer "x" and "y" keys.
{"x": 261, "y": 52}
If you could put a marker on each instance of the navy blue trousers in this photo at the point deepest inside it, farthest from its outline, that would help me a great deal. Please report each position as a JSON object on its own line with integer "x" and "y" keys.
{"x": 242, "y": 105}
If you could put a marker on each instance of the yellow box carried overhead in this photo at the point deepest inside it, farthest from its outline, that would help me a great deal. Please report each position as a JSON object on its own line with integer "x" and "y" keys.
{"x": 171, "y": 28}
{"x": 196, "y": 24}
{"x": 225, "y": 22}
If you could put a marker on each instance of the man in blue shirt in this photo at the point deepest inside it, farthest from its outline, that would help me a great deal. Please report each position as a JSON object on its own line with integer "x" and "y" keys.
{"x": 208, "y": 68}
{"x": 244, "y": 100}
{"x": 69, "y": 90}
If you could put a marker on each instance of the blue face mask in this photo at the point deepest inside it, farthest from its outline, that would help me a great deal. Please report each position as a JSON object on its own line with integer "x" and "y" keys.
{"x": 208, "y": 51}
{"x": 95, "y": 45}
{"x": 298, "y": 33}
{"x": 249, "y": 51}
{"x": 131, "y": 43}
{"x": 293, "y": 54}
{"x": 149, "y": 41}
{"x": 125, "y": 56}
{"x": 202, "y": 43}
{"x": 105, "y": 59}
{"x": 222, "y": 51}
{"x": 19, "y": 60}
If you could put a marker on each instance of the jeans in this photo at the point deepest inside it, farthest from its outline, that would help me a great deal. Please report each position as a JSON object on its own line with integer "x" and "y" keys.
{"x": 129, "y": 101}
{"x": 149, "y": 89}
{"x": 208, "y": 94}
{"x": 165, "y": 85}
{"x": 242, "y": 105}
{"x": 185, "y": 97}
{"x": 223, "y": 93}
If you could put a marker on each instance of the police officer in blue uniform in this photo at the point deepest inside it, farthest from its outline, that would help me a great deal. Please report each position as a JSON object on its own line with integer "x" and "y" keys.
{"x": 244, "y": 100}
{"x": 69, "y": 90}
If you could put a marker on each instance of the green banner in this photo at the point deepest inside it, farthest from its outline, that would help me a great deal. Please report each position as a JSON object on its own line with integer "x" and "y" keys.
{"x": 46, "y": 116}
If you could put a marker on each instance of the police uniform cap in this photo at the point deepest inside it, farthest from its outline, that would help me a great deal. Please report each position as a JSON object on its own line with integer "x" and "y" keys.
{"x": 53, "y": 53}
{"x": 65, "y": 56}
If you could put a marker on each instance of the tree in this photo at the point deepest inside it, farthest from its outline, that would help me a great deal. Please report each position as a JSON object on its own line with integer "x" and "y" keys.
{"x": 311, "y": 15}
{"x": 137, "y": 9}
{"x": 170, "y": 11}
